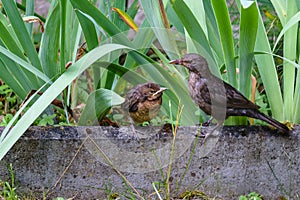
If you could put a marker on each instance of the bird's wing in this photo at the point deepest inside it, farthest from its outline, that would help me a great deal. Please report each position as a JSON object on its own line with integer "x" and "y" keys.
{"x": 133, "y": 98}
{"x": 235, "y": 99}
{"x": 201, "y": 90}
{"x": 133, "y": 107}
{"x": 223, "y": 94}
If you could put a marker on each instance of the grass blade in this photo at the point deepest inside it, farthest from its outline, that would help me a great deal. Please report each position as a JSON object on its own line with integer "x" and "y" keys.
{"x": 248, "y": 30}
{"x": 50, "y": 43}
{"x": 267, "y": 70}
{"x": 94, "y": 110}
{"x": 22, "y": 33}
{"x": 52, "y": 92}
{"x": 226, "y": 36}
{"x": 289, "y": 72}
{"x": 24, "y": 64}
{"x": 196, "y": 33}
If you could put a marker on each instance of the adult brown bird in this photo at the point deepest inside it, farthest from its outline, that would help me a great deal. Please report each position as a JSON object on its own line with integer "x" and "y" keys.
{"x": 216, "y": 97}
{"x": 144, "y": 101}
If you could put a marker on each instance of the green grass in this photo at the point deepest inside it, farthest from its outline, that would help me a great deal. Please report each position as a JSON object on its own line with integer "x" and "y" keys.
{"x": 8, "y": 187}
{"x": 251, "y": 196}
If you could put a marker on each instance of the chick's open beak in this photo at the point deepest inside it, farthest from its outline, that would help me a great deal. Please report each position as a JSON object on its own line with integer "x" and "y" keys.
{"x": 159, "y": 91}
{"x": 176, "y": 62}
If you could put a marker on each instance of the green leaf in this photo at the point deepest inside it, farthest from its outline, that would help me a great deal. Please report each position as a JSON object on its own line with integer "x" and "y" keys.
{"x": 47, "y": 120}
{"x": 289, "y": 72}
{"x": 21, "y": 32}
{"x": 165, "y": 37}
{"x": 98, "y": 105}
{"x": 51, "y": 93}
{"x": 50, "y": 43}
{"x": 88, "y": 29}
{"x": 125, "y": 73}
{"x": 12, "y": 76}
{"x": 212, "y": 32}
{"x": 110, "y": 28}
{"x": 248, "y": 30}
{"x": 226, "y": 36}
{"x": 29, "y": 12}
{"x": 24, "y": 64}
{"x": 267, "y": 71}
{"x": 293, "y": 20}
{"x": 9, "y": 41}
{"x": 280, "y": 8}
{"x": 196, "y": 33}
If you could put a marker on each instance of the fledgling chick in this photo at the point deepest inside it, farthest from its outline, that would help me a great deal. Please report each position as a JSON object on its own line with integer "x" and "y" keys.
{"x": 144, "y": 101}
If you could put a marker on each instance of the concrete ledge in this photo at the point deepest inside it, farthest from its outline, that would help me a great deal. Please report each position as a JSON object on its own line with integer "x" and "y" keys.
{"x": 73, "y": 161}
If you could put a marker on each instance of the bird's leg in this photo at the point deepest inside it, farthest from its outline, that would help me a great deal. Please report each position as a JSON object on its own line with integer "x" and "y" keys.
{"x": 207, "y": 123}
{"x": 135, "y": 135}
{"x": 214, "y": 132}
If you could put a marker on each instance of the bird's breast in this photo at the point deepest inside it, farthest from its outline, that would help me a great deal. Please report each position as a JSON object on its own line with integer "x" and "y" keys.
{"x": 197, "y": 86}
{"x": 199, "y": 92}
{"x": 146, "y": 111}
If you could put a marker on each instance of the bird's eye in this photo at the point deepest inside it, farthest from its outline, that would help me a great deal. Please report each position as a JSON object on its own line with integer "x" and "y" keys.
{"x": 151, "y": 91}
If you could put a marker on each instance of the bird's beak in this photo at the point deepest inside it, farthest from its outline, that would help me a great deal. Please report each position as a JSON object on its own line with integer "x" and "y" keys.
{"x": 159, "y": 91}
{"x": 176, "y": 62}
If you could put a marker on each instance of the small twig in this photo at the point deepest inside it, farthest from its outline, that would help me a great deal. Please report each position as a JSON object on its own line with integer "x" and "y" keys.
{"x": 174, "y": 130}
{"x": 68, "y": 166}
{"x": 116, "y": 170}
{"x": 163, "y": 14}
{"x": 276, "y": 178}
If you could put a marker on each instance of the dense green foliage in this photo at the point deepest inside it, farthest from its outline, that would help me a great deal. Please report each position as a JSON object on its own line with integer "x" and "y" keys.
{"x": 179, "y": 26}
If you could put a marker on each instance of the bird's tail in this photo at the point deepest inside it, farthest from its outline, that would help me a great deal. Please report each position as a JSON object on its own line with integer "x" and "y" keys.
{"x": 283, "y": 128}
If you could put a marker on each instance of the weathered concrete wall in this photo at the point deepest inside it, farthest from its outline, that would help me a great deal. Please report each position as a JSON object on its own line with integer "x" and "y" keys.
{"x": 241, "y": 160}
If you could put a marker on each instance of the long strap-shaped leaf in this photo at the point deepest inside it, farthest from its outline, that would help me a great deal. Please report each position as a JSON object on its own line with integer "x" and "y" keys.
{"x": 52, "y": 92}
{"x": 21, "y": 32}
{"x": 196, "y": 33}
{"x": 267, "y": 70}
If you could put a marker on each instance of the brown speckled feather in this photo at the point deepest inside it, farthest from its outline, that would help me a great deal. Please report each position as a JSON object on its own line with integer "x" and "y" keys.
{"x": 216, "y": 97}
